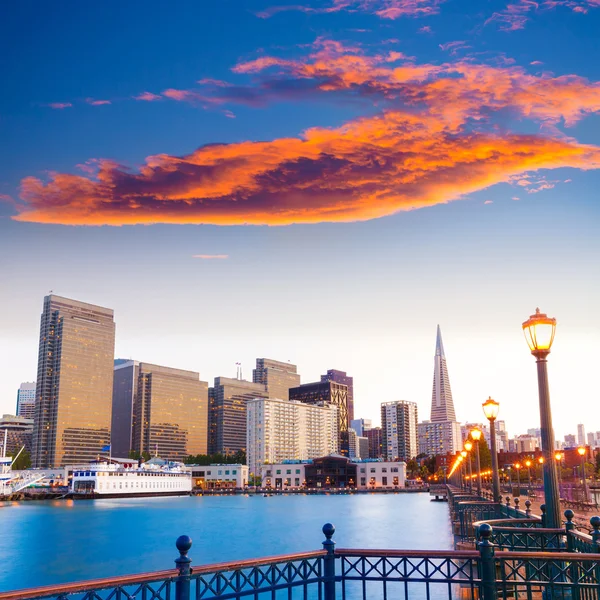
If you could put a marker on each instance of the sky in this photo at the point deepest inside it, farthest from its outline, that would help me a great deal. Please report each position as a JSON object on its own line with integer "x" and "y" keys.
{"x": 322, "y": 182}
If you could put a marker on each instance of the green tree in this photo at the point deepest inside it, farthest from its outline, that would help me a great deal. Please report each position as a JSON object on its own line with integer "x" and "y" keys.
{"x": 23, "y": 461}
{"x": 412, "y": 468}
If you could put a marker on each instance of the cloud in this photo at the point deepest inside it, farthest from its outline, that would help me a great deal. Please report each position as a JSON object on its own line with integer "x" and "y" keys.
{"x": 93, "y": 102}
{"x": 59, "y": 105}
{"x": 489, "y": 202}
{"x": 425, "y": 29}
{"x": 516, "y": 14}
{"x": 385, "y": 9}
{"x": 211, "y": 256}
{"x": 148, "y": 97}
{"x": 368, "y": 168}
{"x": 454, "y": 47}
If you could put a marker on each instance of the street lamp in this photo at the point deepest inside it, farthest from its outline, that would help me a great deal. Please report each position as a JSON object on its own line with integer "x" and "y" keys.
{"x": 463, "y": 454}
{"x": 582, "y": 452}
{"x": 468, "y": 448}
{"x": 528, "y": 465}
{"x": 541, "y": 461}
{"x": 476, "y": 436}
{"x": 490, "y": 410}
{"x": 539, "y": 332}
{"x": 518, "y": 468}
{"x": 558, "y": 457}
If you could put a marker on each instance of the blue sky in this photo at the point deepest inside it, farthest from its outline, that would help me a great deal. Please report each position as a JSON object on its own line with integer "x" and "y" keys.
{"x": 354, "y": 278}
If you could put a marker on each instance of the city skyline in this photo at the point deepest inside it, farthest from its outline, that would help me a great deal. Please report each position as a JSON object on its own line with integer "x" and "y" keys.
{"x": 315, "y": 181}
{"x": 375, "y": 407}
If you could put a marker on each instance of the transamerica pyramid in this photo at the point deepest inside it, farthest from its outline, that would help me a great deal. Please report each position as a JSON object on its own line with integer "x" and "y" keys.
{"x": 442, "y": 406}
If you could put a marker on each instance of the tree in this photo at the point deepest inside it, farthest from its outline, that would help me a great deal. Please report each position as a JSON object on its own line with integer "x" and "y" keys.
{"x": 238, "y": 458}
{"x": 23, "y": 461}
{"x": 412, "y": 468}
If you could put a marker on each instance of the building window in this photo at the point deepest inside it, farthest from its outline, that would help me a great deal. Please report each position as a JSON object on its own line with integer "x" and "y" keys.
{"x": 384, "y": 470}
{"x": 384, "y": 481}
{"x": 363, "y": 470}
{"x": 278, "y": 472}
{"x": 394, "y": 469}
{"x": 363, "y": 481}
{"x": 297, "y": 471}
{"x": 372, "y": 470}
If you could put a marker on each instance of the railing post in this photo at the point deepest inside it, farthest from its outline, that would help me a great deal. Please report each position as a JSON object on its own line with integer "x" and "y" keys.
{"x": 569, "y": 526}
{"x": 487, "y": 563}
{"x": 516, "y": 501}
{"x": 183, "y": 562}
{"x": 595, "y": 523}
{"x": 329, "y": 562}
{"x": 508, "y": 506}
{"x": 527, "y": 508}
{"x": 543, "y": 515}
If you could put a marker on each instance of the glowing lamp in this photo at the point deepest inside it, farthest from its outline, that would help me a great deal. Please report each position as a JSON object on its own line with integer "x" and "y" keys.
{"x": 541, "y": 460}
{"x": 581, "y": 451}
{"x": 463, "y": 454}
{"x": 476, "y": 434}
{"x": 539, "y": 332}
{"x": 558, "y": 455}
{"x": 527, "y": 463}
{"x": 490, "y": 409}
{"x": 517, "y": 466}
{"x": 468, "y": 446}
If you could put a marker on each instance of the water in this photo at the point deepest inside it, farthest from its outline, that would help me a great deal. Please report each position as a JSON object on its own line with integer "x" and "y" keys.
{"x": 44, "y": 543}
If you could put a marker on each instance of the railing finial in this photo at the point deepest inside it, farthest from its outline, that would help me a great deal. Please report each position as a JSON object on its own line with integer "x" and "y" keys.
{"x": 527, "y": 508}
{"x": 183, "y": 562}
{"x": 329, "y": 562}
{"x": 543, "y": 511}
{"x": 595, "y": 523}
{"x": 569, "y": 526}
{"x": 487, "y": 563}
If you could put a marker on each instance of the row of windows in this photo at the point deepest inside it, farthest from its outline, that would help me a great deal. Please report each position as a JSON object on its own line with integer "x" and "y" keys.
{"x": 383, "y": 470}
{"x": 220, "y": 472}
{"x": 140, "y": 485}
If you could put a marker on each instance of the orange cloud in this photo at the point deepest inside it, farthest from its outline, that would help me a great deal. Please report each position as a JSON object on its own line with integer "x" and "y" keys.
{"x": 369, "y": 168}
{"x": 93, "y": 102}
{"x": 147, "y": 97}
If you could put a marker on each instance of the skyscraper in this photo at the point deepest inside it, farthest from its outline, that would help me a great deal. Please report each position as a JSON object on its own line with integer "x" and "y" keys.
{"x": 125, "y": 385}
{"x": 227, "y": 413}
{"x": 279, "y": 430}
{"x": 278, "y": 377}
{"x": 342, "y": 377}
{"x": 442, "y": 405}
{"x": 26, "y": 400}
{"x": 581, "y": 434}
{"x": 170, "y": 412}
{"x": 327, "y": 392}
{"x": 399, "y": 430}
{"x": 74, "y": 383}
{"x": 374, "y": 436}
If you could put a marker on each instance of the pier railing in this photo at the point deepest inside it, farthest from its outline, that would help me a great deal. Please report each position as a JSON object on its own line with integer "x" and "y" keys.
{"x": 342, "y": 574}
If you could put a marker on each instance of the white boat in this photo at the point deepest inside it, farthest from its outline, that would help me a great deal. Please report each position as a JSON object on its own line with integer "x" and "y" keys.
{"x": 153, "y": 478}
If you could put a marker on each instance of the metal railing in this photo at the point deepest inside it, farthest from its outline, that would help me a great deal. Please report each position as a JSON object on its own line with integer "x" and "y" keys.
{"x": 330, "y": 574}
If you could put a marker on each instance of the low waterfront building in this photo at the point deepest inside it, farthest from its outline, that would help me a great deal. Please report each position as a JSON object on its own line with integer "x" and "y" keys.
{"x": 334, "y": 471}
{"x": 279, "y": 430}
{"x": 217, "y": 476}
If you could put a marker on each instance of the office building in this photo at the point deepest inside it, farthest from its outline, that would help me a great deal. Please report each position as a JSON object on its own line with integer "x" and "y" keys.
{"x": 74, "y": 383}
{"x": 278, "y": 377}
{"x": 374, "y": 438}
{"x": 570, "y": 441}
{"x": 125, "y": 386}
{"x": 399, "y": 428}
{"x": 18, "y": 432}
{"x": 170, "y": 411}
{"x": 526, "y": 443}
{"x": 581, "y": 439}
{"x": 26, "y": 400}
{"x": 227, "y": 413}
{"x": 361, "y": 425}
{"x": 439, "y": 437}
{"x": 345, "y": 379}
{"x": 593, "y": 439}
{"x": 327, "y": 392}
{"x": 442, "y": 404}
{"x": 279, "y": 430}
{"x": 219, "y": 477}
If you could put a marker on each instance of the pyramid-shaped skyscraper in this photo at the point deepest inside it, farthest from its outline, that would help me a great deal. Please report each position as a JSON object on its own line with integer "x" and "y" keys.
{"x": 442, "y": 405}
{"x": 442, "y": 433}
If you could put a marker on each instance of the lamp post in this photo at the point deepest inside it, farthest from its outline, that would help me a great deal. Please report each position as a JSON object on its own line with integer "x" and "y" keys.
{"x": 582, "y": 452}
{"x": 476, "y": 436}
{"x": 490, "y": 410}
{"x": 464, "y": 464}
{"x": 528, "y": 465}
{"x": 468, "y": 448}
{"x": 518, "y": 468}
{"x": 541, "y": 461}
{"x": 539, "y": 332}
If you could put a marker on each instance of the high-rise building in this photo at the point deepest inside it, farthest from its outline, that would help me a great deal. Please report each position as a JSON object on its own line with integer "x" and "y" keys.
{"x": 439, "y": 438}
{"x": 125, "y": 385}
{"x": 399, "y": 421}
{"x": 570, "y": 441}
{"x": 361, "y": 425}
{"x": 278, "y": 377}
{"x": 170, "y": 412}
{"x": 227, "y": 413}
{"x": 279, "y": 430}
{"x": 327, "y": 392}
{"x": 74, "y": 383}
{"x": 17, "y": 431}
{"x": 363, "y": 446}
{"x": 442, "y": 405}
{"x": 343, "y": 377}
{"x": 26, "y": 400}
{"x": 581, "y": 434}
{"x": 374, "y": 437}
